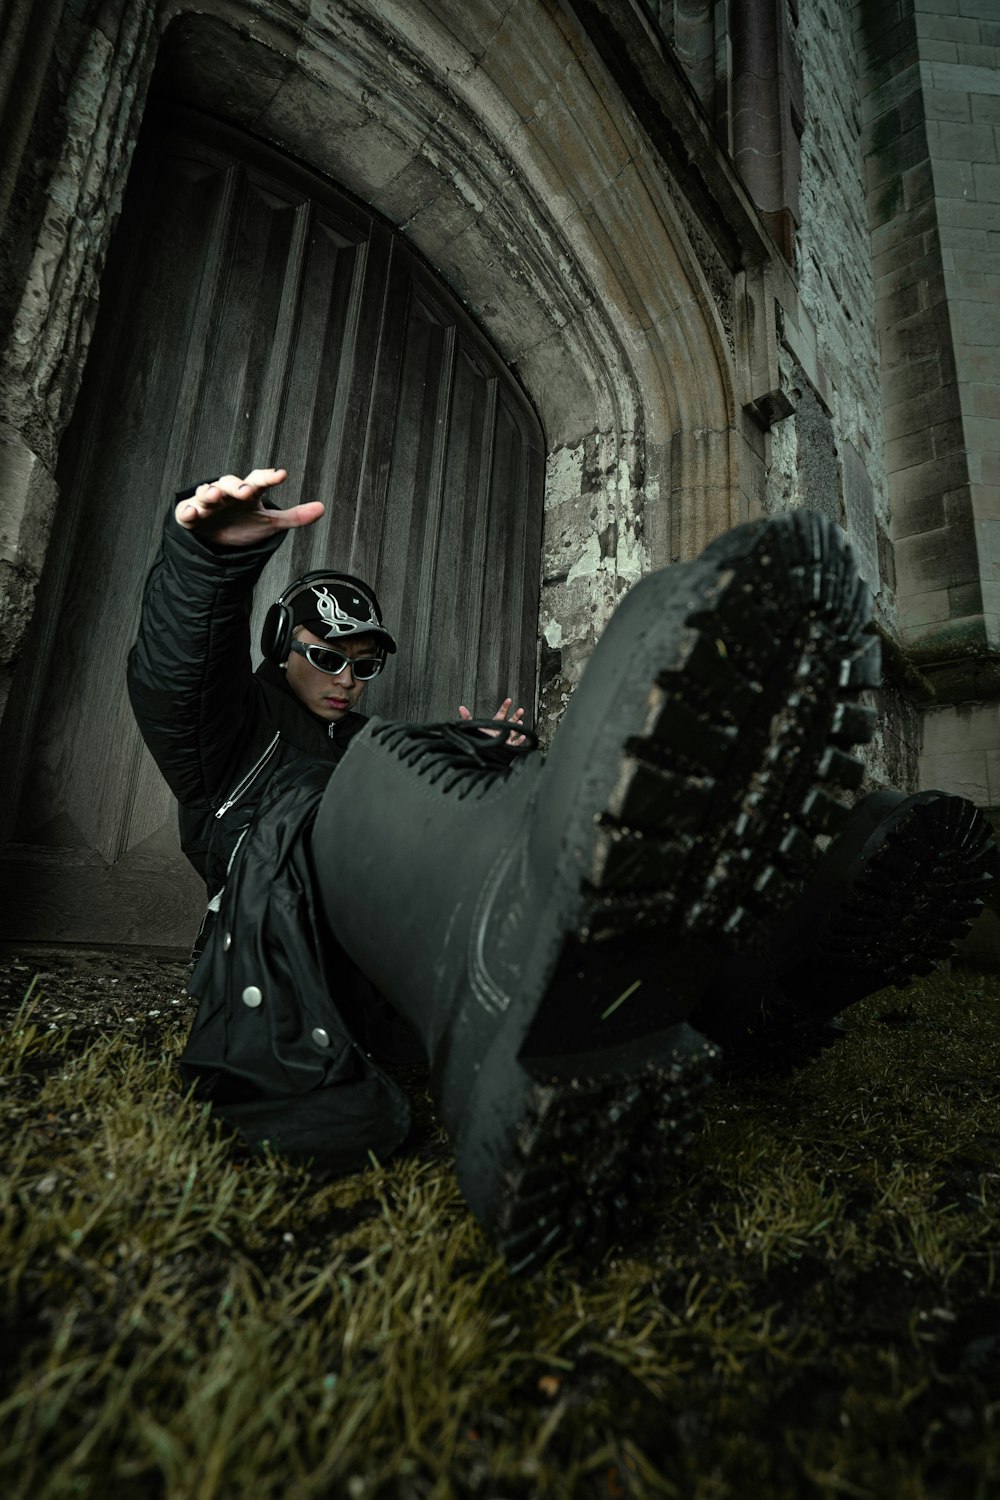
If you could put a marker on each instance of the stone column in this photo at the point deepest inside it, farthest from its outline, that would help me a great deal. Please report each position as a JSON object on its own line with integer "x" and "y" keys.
{"x": 71, "y": 95}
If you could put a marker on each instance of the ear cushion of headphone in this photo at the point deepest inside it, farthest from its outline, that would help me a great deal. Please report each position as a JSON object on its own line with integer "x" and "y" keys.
{"x": 276, "y": 633}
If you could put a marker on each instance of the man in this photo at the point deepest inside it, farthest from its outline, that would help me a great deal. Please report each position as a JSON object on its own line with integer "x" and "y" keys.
{"x": 206, "y": 717}
{"x": 549, "y": 927}
{"x": 230, "y": 741}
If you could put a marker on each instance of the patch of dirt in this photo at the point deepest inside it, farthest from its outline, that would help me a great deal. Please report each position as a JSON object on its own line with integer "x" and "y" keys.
{"x": 88, "y": 991}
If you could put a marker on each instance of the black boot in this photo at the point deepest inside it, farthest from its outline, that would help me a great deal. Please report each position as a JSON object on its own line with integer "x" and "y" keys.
{"x": 890, "y": 899}
{"x": 520, "y": 917}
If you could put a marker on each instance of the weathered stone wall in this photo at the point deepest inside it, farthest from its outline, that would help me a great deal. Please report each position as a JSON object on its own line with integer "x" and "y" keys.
{"x": 959, "y": 54}
{"x": 75, "y": 124}
{"x": 612, "y": 255}
{"x": 828, "y": 454}
{"x": 930, "y": 92}
{"x": 503, "y": 147}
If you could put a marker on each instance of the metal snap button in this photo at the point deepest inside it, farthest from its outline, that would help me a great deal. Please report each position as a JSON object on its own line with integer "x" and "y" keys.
{"x": 320, "y": 1037}
{"x": 252, "y": 996}
{"x": 227, "y": 942}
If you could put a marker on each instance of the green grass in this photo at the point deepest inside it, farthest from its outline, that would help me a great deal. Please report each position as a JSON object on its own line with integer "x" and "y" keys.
{"x": 815, "y": 1308}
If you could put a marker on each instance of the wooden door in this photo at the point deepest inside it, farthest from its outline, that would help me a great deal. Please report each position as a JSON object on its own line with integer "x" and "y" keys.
{"x": 253, "y": 314}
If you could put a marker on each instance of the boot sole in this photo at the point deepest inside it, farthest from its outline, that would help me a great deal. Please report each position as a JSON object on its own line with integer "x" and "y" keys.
{"x": 592, "y": 1151}
{"x": 712, "y": 807}
{"x": 916, "y": 888}
{"x": 915, "y": 878}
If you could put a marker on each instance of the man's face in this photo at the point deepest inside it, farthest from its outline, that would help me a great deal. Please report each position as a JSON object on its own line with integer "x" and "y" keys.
{"x": 328, "y": 697}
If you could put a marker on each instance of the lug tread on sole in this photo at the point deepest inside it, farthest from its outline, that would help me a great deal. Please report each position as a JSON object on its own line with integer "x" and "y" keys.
{"x": 917, "y": 895}
{"x": 590, "y": 1155}
{"x": 745, "y": 751}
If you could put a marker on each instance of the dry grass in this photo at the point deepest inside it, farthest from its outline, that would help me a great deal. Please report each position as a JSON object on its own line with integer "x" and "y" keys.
{"x": 815, "y": 1312}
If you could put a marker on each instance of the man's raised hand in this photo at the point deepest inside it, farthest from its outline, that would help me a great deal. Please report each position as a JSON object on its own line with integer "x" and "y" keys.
{"x": 504, "y": 714}
{"x": 230, "y": 510}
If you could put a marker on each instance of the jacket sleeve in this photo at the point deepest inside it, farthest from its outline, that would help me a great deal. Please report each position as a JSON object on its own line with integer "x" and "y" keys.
{"x": 190, "y": 679}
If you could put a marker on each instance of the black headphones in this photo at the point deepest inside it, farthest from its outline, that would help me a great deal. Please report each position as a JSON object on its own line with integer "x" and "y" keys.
{"x": 279, "y": 622}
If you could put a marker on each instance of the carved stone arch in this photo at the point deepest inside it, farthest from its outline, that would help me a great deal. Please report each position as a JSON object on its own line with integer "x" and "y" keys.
{"x": 501, "y": 145}
{"x": 511, "y": 160}
{"x": 555, "y": 226}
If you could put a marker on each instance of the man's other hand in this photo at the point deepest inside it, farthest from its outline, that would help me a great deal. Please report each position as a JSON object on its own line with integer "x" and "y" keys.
{"x": 504, "y": 714}
{"x": 231, "y": 512}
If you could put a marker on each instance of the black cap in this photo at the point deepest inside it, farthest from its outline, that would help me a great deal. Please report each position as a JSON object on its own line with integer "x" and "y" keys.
{"x": 334, "y": 605}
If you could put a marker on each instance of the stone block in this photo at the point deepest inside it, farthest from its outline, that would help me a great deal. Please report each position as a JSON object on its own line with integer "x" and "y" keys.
{"x": 936, "y": 477}
{"x": 925, "y": 271}
{"x": 887, "y": 127}
{"x": 962, "y": 772}
{"x": 969, "y": 250}
{"x": 918, "y": 184}
{"x": 912, "y": 448}
{"x": 913, "y": 225}
{"x": 948, "y": 435}
{"x": 984, "y": 432}
{"x": 957, "y": 729}
{"x": 918, "y": 377}
{"x": 965, "y": 599}
{"x": 939, "y": 52}
{"x": 969, "y": 286}
{"x": 947, "y": 28}
{"x": 877, "y": 20}
{"x": 961, "y": 215}
{"x": 986, "y": 503}
{"x": 978, "y": 323}
{"x": 28, "y": 495}
{"x": 945, "y": 405}
{"x": 950, "y": 141}
{"x": 935, "y": 562}
{"x": 958, "y": 505}
{"x": 472, "y": 26}
{"x": 885, "y": 87}
{"x": 859, "y": 506}
{"x": 987, "y": 182}
{"x": 896, "y": 156}
{"x": 971, "y": 55}
{"x": 984, "y": 10}
{"x": 985, "y": 108}
{"x": 898, "y": 306}
{"x": 953, "y": 179}
{"x": 906, "y": 416}
{"x": 978, "y": 365}
{"x": 886, "y": 204}
{"x": 904, "y": 253}
{"x": 960, "y": 79}
{"x": 930, "y": 608}
{"x": 924, "y": 333}
{"x": 981, "y": 399}
{"x": 946, "y": 104}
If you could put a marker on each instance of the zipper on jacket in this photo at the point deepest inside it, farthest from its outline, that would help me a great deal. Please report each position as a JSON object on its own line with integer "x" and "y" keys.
{"x": 254, "y": 770}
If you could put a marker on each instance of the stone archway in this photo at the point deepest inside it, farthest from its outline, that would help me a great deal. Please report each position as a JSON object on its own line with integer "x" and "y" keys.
{"x": 509, "y": 159}
{"x": 506, "y": 153}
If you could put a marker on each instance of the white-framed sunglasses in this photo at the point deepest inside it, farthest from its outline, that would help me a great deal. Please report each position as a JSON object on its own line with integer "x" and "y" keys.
{"x": 326, "y": 659}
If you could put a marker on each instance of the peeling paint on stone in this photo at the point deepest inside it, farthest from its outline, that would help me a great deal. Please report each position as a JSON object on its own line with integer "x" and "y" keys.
{"x": 593, "y": 551}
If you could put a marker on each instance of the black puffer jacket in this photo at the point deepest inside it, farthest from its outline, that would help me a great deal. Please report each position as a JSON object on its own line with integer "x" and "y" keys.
{"x": 217, "y": 730}
{"x": 279, "y": 1043}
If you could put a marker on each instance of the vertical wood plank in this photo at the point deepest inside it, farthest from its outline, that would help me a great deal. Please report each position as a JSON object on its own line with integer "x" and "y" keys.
{"x": 254, "y": 313}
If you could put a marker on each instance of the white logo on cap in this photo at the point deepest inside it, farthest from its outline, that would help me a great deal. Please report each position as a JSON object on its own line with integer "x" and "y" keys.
{"x": 338, "y": 620}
